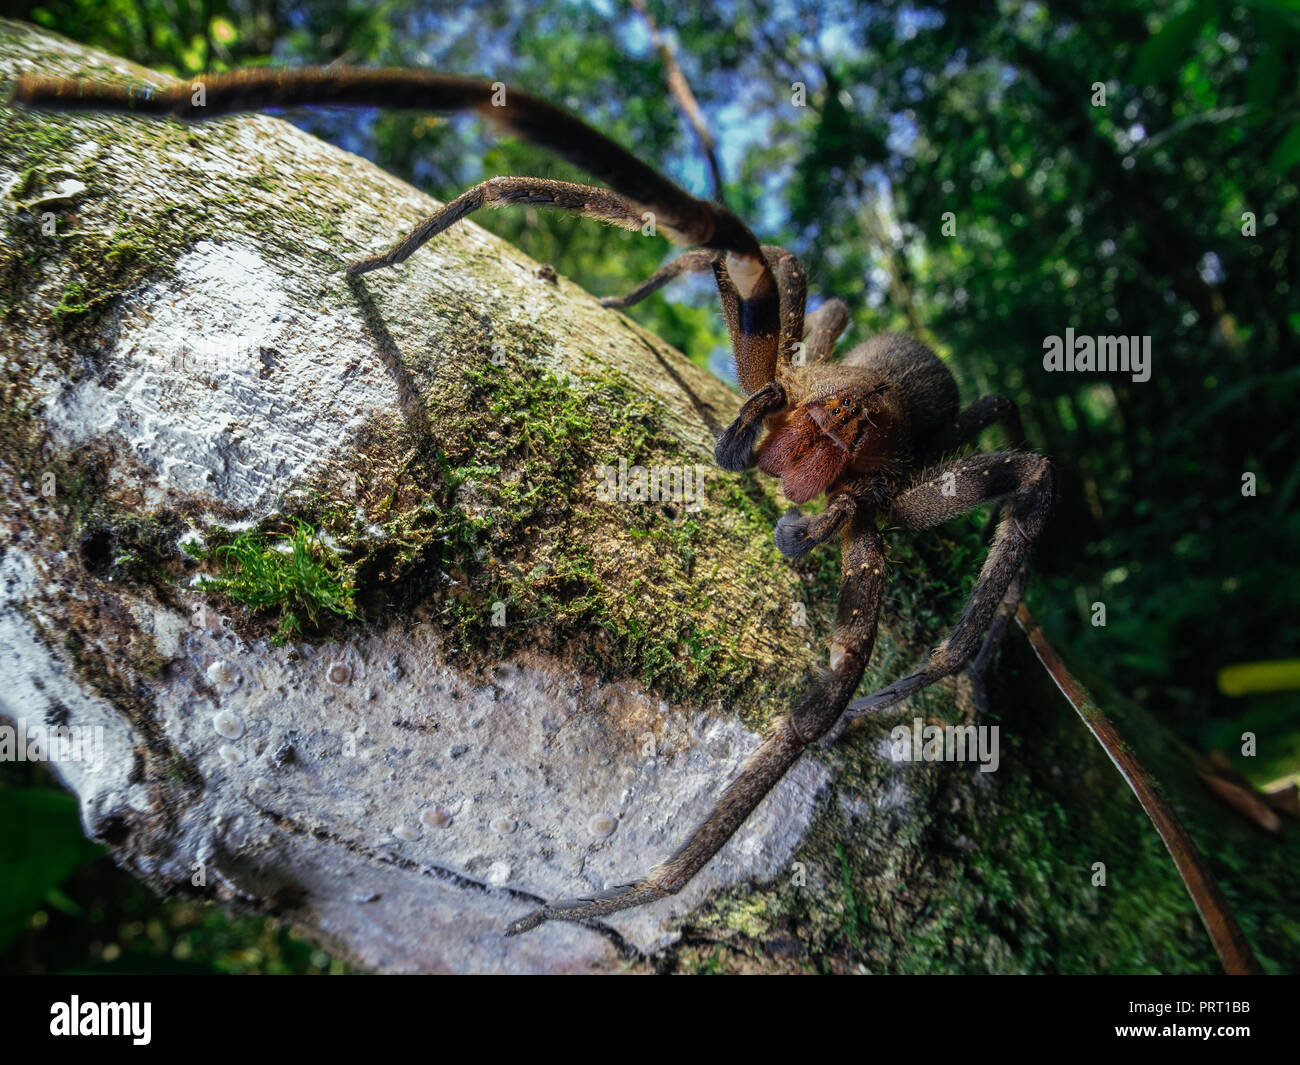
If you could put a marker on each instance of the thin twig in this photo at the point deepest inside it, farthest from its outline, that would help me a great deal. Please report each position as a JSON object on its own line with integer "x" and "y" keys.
{"x": 1233, "y": 949}
{"x": 681, "y": 89}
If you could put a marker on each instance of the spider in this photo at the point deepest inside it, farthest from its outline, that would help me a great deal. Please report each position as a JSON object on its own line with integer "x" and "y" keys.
{"x": 870, "y": 432}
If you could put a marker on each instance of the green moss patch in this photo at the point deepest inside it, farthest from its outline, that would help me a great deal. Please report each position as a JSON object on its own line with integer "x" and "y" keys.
{"x": 293, "y": 575}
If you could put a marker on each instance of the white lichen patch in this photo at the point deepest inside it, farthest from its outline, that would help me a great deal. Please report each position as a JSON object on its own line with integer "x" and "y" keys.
{"x": 436, "y": 817}
{"x": 223, "y": 385}
{"x": 551, "y": 748}
{"x": 602, "y": 825}
{"x": 223, "y": 675}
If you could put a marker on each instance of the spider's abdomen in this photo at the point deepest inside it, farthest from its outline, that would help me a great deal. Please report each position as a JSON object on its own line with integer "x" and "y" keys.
{"x": 924, "y": 384}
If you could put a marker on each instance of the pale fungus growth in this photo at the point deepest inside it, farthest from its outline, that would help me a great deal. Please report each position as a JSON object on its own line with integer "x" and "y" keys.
{"x": 436, "y": 817}
{"x": 223, "y": 675}
{"x": 228, "y": 724}
{"x": 503, "y": 825}
{"x": 339, "y": 674}
{"x": 602, "y": 825}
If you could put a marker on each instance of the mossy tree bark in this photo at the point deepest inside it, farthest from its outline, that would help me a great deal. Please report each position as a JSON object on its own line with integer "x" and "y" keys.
{"x": 481, "y": 681}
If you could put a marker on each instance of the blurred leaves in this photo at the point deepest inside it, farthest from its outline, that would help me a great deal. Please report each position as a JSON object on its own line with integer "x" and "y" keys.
{"x": 41, "y": 843}
{"x": 1287, "y": 153}
{"x": 1169, "y": 47}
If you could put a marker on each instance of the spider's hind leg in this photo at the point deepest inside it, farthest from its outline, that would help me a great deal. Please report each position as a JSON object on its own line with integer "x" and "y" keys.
{"x": 693, "y": 262}
{"x": 862, "y": 567}
{"x": 990, "y": 410}
{"x": 981, "y": 665}
{"x": 943, "y": 493}
{"x": 974, "y": 419}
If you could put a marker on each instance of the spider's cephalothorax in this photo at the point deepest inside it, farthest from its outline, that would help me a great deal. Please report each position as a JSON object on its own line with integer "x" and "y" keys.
{"x": 858, "y": 416}
{"x": 869, "y": 432}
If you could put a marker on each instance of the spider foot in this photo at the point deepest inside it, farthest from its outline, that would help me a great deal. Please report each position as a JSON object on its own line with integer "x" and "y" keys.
{"x": 796, "y": 534}
{"x": 733, "y": 448}
{"x": 737, "y": 440}
{"x": 365, "y": 266}
{"x": 586, "y": 910}
{"x": 793, "y": 534}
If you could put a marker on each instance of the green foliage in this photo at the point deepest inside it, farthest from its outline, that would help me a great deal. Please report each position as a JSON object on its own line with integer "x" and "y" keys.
{"x": 66, "y": 908}
{"x": 41, "y": 843}
{"x": 852, "y": 912}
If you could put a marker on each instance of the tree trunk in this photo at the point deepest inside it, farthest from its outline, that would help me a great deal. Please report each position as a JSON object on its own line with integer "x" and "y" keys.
{"x": 488, "y": 682}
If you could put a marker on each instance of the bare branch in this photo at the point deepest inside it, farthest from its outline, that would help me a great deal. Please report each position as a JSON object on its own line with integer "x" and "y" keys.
{"x": 1229, "y": 942}
{"x": 681, "y": 90}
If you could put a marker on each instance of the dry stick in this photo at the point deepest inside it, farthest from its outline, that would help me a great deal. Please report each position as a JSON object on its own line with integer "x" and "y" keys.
{"x": 1233, "y": 949}
{"x": 681, "y": 90}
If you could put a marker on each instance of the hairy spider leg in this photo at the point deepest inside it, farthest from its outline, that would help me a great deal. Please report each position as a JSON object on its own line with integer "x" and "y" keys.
{"x": 862, "y": 570}
{"x": 982, "y": 664}
{"x": 749, "y": 321}
{"x": 760, "y": 378}
{"x": 942, "y": 493}
{"x": 741, "y": 266}
{"x": 798, "y": 533}
{"x": 586, "y": 200}
{"x": 692, "y": 262}
{"x": 823, "y": 328}
{"x": 973, "y": 420}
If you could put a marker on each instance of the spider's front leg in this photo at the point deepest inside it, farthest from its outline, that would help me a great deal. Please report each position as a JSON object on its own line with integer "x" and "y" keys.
{"x": 764, "y": 309}
{"x": 749, "y": 320}
{"x": 822, "y": 329}
{"x": 638, "y": 193}
{"x": 862, "y": 567}
{"x": 943, "y": 493}
{"x": 798, "y": 533}
{"x": 587, "y": 200}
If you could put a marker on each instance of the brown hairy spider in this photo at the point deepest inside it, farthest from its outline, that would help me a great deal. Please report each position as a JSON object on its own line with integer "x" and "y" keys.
{"x": 870, "y": 432}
